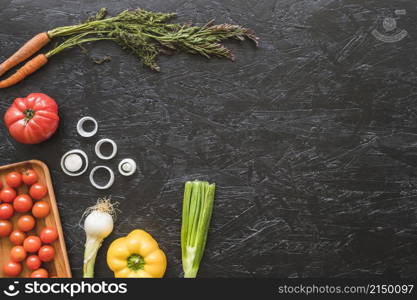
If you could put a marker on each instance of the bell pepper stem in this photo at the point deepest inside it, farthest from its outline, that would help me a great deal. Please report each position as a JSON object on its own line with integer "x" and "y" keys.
{"x": 91, "y": 248}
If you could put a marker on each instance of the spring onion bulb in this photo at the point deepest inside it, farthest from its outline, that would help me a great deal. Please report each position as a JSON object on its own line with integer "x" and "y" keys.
{"x": 98, "y": 224}
{"x": 196, "y": 215}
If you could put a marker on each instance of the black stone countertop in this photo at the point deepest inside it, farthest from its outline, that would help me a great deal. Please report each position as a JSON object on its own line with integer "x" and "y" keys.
{"x": 311, "y": 138}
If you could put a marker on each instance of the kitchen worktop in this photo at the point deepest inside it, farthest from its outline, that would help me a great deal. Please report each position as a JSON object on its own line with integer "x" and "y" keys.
{"x": 311, "y": 138}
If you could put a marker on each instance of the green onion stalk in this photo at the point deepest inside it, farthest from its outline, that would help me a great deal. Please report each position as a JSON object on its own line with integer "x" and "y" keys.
{"x": 196, "y": 216}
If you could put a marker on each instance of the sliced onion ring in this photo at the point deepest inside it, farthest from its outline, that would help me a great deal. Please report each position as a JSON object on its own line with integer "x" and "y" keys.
{"x": 78, "y": 152}
{"x": 109, "y": 183}
{"x": 80, "y": 128}
{"x": 98, "y": 151}
{"x": 127, "y": 162}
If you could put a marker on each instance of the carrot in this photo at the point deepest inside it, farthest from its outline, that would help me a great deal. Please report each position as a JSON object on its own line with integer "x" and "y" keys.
{"x": 27, "y": 50}
{"x": 31, "y": 66}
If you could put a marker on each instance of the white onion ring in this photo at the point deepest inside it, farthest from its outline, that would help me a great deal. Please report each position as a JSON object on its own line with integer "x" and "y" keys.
{"x": 109, "y": 183}
{"x": 131, "y": 163}
{"x": 77, "y": 152}
{"x": 98, "y": 151}
{"x": 81, "y": 130}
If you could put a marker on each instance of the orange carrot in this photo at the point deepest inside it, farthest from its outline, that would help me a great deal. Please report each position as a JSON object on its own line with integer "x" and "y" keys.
{"x": 31, "y": 66}
{"x": 26, "y": 51}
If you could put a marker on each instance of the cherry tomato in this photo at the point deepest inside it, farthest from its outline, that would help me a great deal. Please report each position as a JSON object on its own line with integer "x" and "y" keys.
{"x": 32, "y": 243}
{"x": 25, "y": 223}
{"x": 7, "y": 194}
{"x": 39, "y": 273}
{"x": 48, "y": 235}
{"x": 22, "y": 203}
{"x": 40, "y": 209}
{"x": 33, "y": 262}
{"x": 12, "y": 269}
{"x": 17, "y": 254}
{"x": 17, "y": 237}
{"x": 6, "y": 211}
{"x": 5, "y": 228}
{"x": 38, "y": 191}
{"x": 46, "y": 253}
{"x": 30, "y": 177}
{"x": 14, "y": 179}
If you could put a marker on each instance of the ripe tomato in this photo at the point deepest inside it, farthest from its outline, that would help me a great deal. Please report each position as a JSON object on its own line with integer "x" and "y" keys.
{"x": 30, "y": 177}
{"x": 32, "y": 243}
{"x": 17, "y": 254}
{"x": 12, "y": 269}
{"x": 5, "y": 228}
{"x": 7, "y": 194}
{"x": 17, "y": 237}
{"x": 48, "y": 235}
{"x": 14, "y": 179}
{"x": 33, "y": 119}
{"x": 26, "y": 223}
{"x": 33, "y": 262}
{"x": 39, "y": 273}
{"x": 46, "y": 253}
{"x": 22, "y": 203}
{"x": 40, "y": 209}
{"x": 6, "y": 211}
{"x": 38, "y": 191}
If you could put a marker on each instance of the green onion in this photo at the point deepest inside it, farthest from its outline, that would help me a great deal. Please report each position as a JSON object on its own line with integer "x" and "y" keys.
{"x": 196, "y": 215}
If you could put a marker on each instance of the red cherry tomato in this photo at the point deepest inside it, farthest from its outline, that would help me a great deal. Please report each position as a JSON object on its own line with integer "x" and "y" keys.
{"x": 22, "y": 203}
{"x": 46, "y": 253}
{"x": 17, "y": 254}
{"x": 38, "y": 191}
{"x": 32, "y": 243}
{"x": 25, "y": 223}
{"x": 6, "y": 211}
{"x": 7, "y": 194}
{"x": 6, "y": 228}
{"x": 17, "y": 237}
{"x": 40, "y": 209}
{"x": 48, "y": 235}
{"x": 14, "y": 179}
{"x": 12, "y": 269}
{"x": 30, "y": 177}
{"x": 39, "y": 273}
{"x": 33, "y": 262}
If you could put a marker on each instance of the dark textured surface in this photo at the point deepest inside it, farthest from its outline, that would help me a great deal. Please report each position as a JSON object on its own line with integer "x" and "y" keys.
{"x": 311, "y": 138}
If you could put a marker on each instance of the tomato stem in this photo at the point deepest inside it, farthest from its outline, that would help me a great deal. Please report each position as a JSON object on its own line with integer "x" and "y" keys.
{"x": 29, "y": 114}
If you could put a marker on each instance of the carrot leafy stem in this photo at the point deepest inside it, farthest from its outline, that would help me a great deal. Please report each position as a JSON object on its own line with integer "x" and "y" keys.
{"x": 148, "y": 34}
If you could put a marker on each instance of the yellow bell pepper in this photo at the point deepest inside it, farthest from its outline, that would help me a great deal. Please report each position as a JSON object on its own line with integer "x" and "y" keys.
{"x": 136, "y": 255}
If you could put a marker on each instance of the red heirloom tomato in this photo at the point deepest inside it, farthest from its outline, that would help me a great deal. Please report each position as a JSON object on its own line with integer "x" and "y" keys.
{"x": 33, "y": 119}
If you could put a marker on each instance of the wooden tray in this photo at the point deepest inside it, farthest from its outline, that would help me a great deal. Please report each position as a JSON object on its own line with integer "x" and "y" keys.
{"x": 59, "y": 267}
